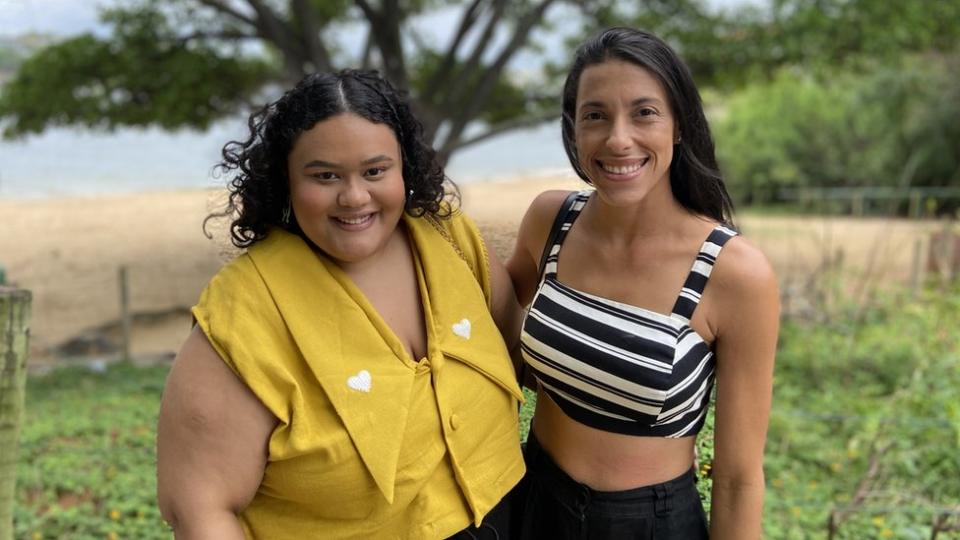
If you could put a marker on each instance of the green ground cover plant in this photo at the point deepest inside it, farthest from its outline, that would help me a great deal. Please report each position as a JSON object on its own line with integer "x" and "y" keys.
{"x": 87, "y": 455}
{"x": 865, "y": 428}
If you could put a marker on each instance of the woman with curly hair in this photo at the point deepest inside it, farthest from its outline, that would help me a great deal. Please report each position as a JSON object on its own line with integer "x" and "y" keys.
{"x": 346, "y": 376}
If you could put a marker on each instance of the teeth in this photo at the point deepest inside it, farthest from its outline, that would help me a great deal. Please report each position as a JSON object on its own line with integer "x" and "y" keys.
{"x": 355, "y": 221}
{"x": 623, "y": 170}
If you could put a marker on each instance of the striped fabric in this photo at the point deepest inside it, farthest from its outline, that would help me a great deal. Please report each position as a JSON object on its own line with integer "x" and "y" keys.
{"x": 618, "y": 367}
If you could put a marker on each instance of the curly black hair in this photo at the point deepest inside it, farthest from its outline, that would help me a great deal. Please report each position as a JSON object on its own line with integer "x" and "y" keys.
{"x": 259, "y": 188}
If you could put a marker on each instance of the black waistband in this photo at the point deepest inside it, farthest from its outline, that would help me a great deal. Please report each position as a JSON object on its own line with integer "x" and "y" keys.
{"x": 541, "y": 466}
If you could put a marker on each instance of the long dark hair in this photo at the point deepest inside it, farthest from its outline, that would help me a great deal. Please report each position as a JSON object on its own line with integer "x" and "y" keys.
{"x": 694, "y": 175}
{"x": 259, "y": 189}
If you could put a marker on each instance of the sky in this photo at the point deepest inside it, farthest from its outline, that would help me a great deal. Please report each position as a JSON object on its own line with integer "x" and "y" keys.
{"x": 61, "y": 17}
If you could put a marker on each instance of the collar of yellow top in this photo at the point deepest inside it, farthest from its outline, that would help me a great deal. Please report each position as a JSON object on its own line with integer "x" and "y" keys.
{"x": 333, "y": 324}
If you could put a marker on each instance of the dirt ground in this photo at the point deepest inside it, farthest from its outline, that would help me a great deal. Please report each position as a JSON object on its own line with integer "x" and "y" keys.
{"x": 68, "y": 253}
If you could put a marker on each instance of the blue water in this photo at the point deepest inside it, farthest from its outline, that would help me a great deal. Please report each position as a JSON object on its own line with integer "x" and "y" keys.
{"x": 72, "y": 162}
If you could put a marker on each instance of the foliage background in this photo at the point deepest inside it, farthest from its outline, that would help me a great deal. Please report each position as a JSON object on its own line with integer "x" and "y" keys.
{"x": 892, "y": 125}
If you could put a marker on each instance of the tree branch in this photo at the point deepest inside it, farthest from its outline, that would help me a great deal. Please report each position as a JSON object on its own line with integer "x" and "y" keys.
{"x": 310, "y": 30}
{"x": 942, "y": 524}
{"x": 837, "y": 517}
{"x": 368, "y": 11}
{"x": 385, "y": 29}
{"x": 269, "y": 28}
{"x": 484, "y": 41}
{"x": 366, "y": 60}
{"x": 222, "y": 7}
{"x": 470, "y": 16}
{"x": 272, "y": 29}
{"x": 452, "y": 93}
{"x": 482, "y": 91}
{"x": 504, "y": 127}
{"x": 229, "y": 35}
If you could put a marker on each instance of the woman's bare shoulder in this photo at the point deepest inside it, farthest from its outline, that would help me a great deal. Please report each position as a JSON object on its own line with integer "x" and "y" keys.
{"x": 742, "y": 277}
{"x": 742, "y": 265}
{"x": 547, "y": 203}
{"x": 540, "y": 215}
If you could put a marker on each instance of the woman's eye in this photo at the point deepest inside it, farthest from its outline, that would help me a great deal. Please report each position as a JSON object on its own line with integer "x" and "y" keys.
{"x": 646, "y": 112}
{"x": 325, "y": 176}
{"x": 374, "y": 171}
{"x": 592, "y": 115}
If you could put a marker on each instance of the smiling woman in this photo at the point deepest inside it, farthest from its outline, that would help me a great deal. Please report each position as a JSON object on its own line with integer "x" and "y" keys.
{"x": 642, "y": 296}
{"x": 347, "y": 376}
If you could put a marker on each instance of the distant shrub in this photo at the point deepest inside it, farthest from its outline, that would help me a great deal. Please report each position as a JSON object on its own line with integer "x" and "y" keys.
{"x": 894, "y": 126}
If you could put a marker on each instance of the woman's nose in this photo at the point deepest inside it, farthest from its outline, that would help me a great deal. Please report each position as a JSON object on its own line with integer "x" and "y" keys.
{"x": 354, "y": 194}
{"x": 618, "y": 138}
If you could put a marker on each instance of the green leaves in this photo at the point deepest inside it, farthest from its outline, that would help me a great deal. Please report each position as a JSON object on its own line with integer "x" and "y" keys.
{"x": 894, "y": 126}
{"x": 864, "y": 410}
{"x": 139, "y": 78}
{"x": 87, "y": 465}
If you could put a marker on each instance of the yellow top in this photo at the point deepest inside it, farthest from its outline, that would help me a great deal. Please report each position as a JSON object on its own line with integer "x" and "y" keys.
{"x": 370, "y": 443}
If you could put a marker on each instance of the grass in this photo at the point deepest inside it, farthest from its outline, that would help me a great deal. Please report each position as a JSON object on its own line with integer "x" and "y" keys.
{"x": 87, "y": 462}
{"x": 87, "y": 454}
{"x": 848, "y": 393}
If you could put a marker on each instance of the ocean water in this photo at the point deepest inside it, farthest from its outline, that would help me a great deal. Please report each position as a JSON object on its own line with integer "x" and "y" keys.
{"x": 73, "y": 162}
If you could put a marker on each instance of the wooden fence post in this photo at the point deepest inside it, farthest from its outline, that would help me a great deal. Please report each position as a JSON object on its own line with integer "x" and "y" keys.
{"x": 126, "y": 322}
{"x": 915, "y": 211}
{"x": 916, "y": 269}
{"x": 14, "y": 349}
{"x": 856, "y": 204}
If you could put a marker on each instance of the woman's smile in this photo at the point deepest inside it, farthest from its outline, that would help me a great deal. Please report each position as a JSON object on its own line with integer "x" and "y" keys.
{"x": 619, "y": 170}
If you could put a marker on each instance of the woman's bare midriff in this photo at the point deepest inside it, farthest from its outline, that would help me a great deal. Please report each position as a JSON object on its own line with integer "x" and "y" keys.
{"x": 607, "y": 461}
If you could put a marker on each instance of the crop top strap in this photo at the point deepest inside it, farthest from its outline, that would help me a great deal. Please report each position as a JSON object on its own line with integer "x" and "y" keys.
{"x": 566, "y": 215}
{"x": 697, "y": 279}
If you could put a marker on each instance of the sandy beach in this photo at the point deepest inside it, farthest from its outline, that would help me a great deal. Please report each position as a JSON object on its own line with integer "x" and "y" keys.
{"x": 68, "y": 252}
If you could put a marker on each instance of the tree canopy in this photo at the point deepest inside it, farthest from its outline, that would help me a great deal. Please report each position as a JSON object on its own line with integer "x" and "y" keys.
{"x": 187, "y": 63}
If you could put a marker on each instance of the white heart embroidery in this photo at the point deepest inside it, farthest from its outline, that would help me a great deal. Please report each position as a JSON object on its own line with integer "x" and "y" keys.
{"x": 361, "y": 381}
{"x": 462, "y": 328}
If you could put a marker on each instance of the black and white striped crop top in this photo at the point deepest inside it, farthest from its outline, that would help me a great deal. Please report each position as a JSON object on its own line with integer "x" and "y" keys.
{"x": 618, "y": 367}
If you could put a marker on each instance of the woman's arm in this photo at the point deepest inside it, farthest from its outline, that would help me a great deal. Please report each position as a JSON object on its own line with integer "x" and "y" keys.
{"x": 523, "y": 265}
{"x": 504, "y": 307}
{"x": 211, "y": 444}
{"x": 747, "y": 314}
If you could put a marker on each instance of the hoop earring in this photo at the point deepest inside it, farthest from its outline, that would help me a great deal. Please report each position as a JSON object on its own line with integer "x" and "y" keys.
{"x": 285, "y": 217}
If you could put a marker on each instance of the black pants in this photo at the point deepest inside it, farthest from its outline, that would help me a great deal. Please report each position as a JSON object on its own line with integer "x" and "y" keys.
{"x": 550, "y": 504}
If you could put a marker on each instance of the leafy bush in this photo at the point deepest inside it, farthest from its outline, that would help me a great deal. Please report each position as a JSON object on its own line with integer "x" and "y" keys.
{"x": 892, "y": 126}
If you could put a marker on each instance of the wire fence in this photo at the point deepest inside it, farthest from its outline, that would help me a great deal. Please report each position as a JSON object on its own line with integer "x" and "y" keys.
{"x": 919, "y": 201}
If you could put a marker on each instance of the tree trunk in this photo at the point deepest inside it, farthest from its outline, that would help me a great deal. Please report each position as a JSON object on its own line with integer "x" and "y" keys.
{"x": 14, "y": 347}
